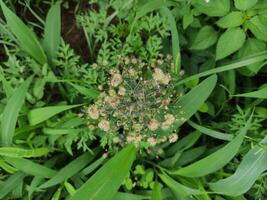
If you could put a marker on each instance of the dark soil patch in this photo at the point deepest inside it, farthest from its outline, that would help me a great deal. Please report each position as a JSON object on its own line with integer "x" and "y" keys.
{"x": 72, "y": 34}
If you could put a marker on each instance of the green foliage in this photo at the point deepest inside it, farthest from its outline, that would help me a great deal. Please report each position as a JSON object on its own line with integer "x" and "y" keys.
{"x": 93, "y": 105}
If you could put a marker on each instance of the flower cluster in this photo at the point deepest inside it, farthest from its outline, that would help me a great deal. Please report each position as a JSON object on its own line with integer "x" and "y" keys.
{"x": 134, "y": 105}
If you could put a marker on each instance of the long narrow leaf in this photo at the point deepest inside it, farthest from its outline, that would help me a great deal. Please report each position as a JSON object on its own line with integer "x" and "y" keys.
{"x": 26, "y": 37}
{"x": 175, "y": 40}
{"x": 103, "y": 185}
{"x": 252, "y": 166}
{"x": 210, "y": 132}
{"x": 16, "y": 152}
{"x": 69, "y": 170}
{"x": 189, "y": 104}
{"x": 39, "y": 115}
{"x": 10, "y": 184}
{"x": 216, "y": 160}
{"x": 235, "y": 65}
{"x": 261, "y": 94}
{"x": 11, "y": 112}
{"x": 52, "y": 31}
{"x": 30, "y": 167}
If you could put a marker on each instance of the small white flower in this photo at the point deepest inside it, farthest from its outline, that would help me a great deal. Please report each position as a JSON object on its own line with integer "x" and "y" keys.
{"x": 153, "y": 125}
{"x": 93, "y": 112}
{"x": 122, "y": 91}
{"x": 173, "y": 138}
{"x": 104, "y": 125}
{"x": 152, "y": 141}
{"x": 116, "y": 80}
{"x": 207, "y": 1}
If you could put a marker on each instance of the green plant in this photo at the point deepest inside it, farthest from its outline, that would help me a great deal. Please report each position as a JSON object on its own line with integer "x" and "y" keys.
{"x": 133, "y": 122}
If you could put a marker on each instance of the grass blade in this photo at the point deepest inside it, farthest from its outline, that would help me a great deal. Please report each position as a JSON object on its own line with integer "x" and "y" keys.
{"x": 26, "y": 38}
{"x": 11, "y": 112}
{"x": 30, "y": 167}
{"x": 156, "y": 192}
{"x": 16, "y": 152}
{"x": 175, "y": 40}
{"x": 251, "y": 167}
{"x": 179, "y": 188}
{"x": 216, "y": 160}
{"x": 10, "y": 184}
{"x": 69, "y": 170}
{"x": 39, "y": 115}
{"x": 193, "y": 100}
{"x": 238, "y": 64}
{"x": 210, "y": 132}
{"x": 52, "y": 31}
{"x": 103, "y": 185}
{"x": 261, "y": 94}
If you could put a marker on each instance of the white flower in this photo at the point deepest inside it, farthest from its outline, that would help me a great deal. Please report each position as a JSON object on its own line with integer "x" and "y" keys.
{"x": 93, "y": 112}
{"x": 104, "y": 125}
{"x": 122, "y": 91}
{"x": 207, "y": 1}
{"x": 173, "y": 138}
{"x": 153, "y": 125}
{"x": 152, "y": 141}
{"x": 116, "y": 80}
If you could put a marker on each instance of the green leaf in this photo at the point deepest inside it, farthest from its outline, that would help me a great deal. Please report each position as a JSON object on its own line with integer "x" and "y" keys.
{"x": 11, "y": 112}
{"x": 103, "y": 185}
{"x": 10, "y": 184}
{"x": 129, "y": 196}
{"x": 189, "y": 104}
{"x": 39, "y": 115}
{"x": 179, "y": 188}
{"x": 251, "y": 167}
{"x": 257, "y": 28}
{"x": 205, "y": 38}
{"x": 233, "y": 19}
{"x": 226, "y": 46}
{"x": 89, "y": 92}
{"x": 52, "y": 31}
{"x": 261, "y": 94}
{"x": 69, "y": 170}
{"x": 23, "y": 153}
{"x": 29, "y": 167}
{"x": 26, "y": 38}
{"x": 175, "y": 40}
{"x": 235, "y": 65}
{"x": 210, "y": 132}
{"x": 245, "y": 4}
{"x": 251, "y": 46}
{"x": 184, "y": 143}
{"x": 156, "y": 192}
{"x": 214, "y": 8}
{"x": 216, "y": 160}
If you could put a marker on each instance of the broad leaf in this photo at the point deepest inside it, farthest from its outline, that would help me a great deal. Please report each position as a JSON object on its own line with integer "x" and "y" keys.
{"x": 156, "y": 192}
{"x": 259, "y": 29}
{"x": 212, "y": 8}
{"x": 251, "y": 46}
{"x": 245, "y": 4}
{"x": 226, "y": 46}
{"x": 104, "y": 184}
{"x": 205, "y": 38}
{"x": 231, "y": 20}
